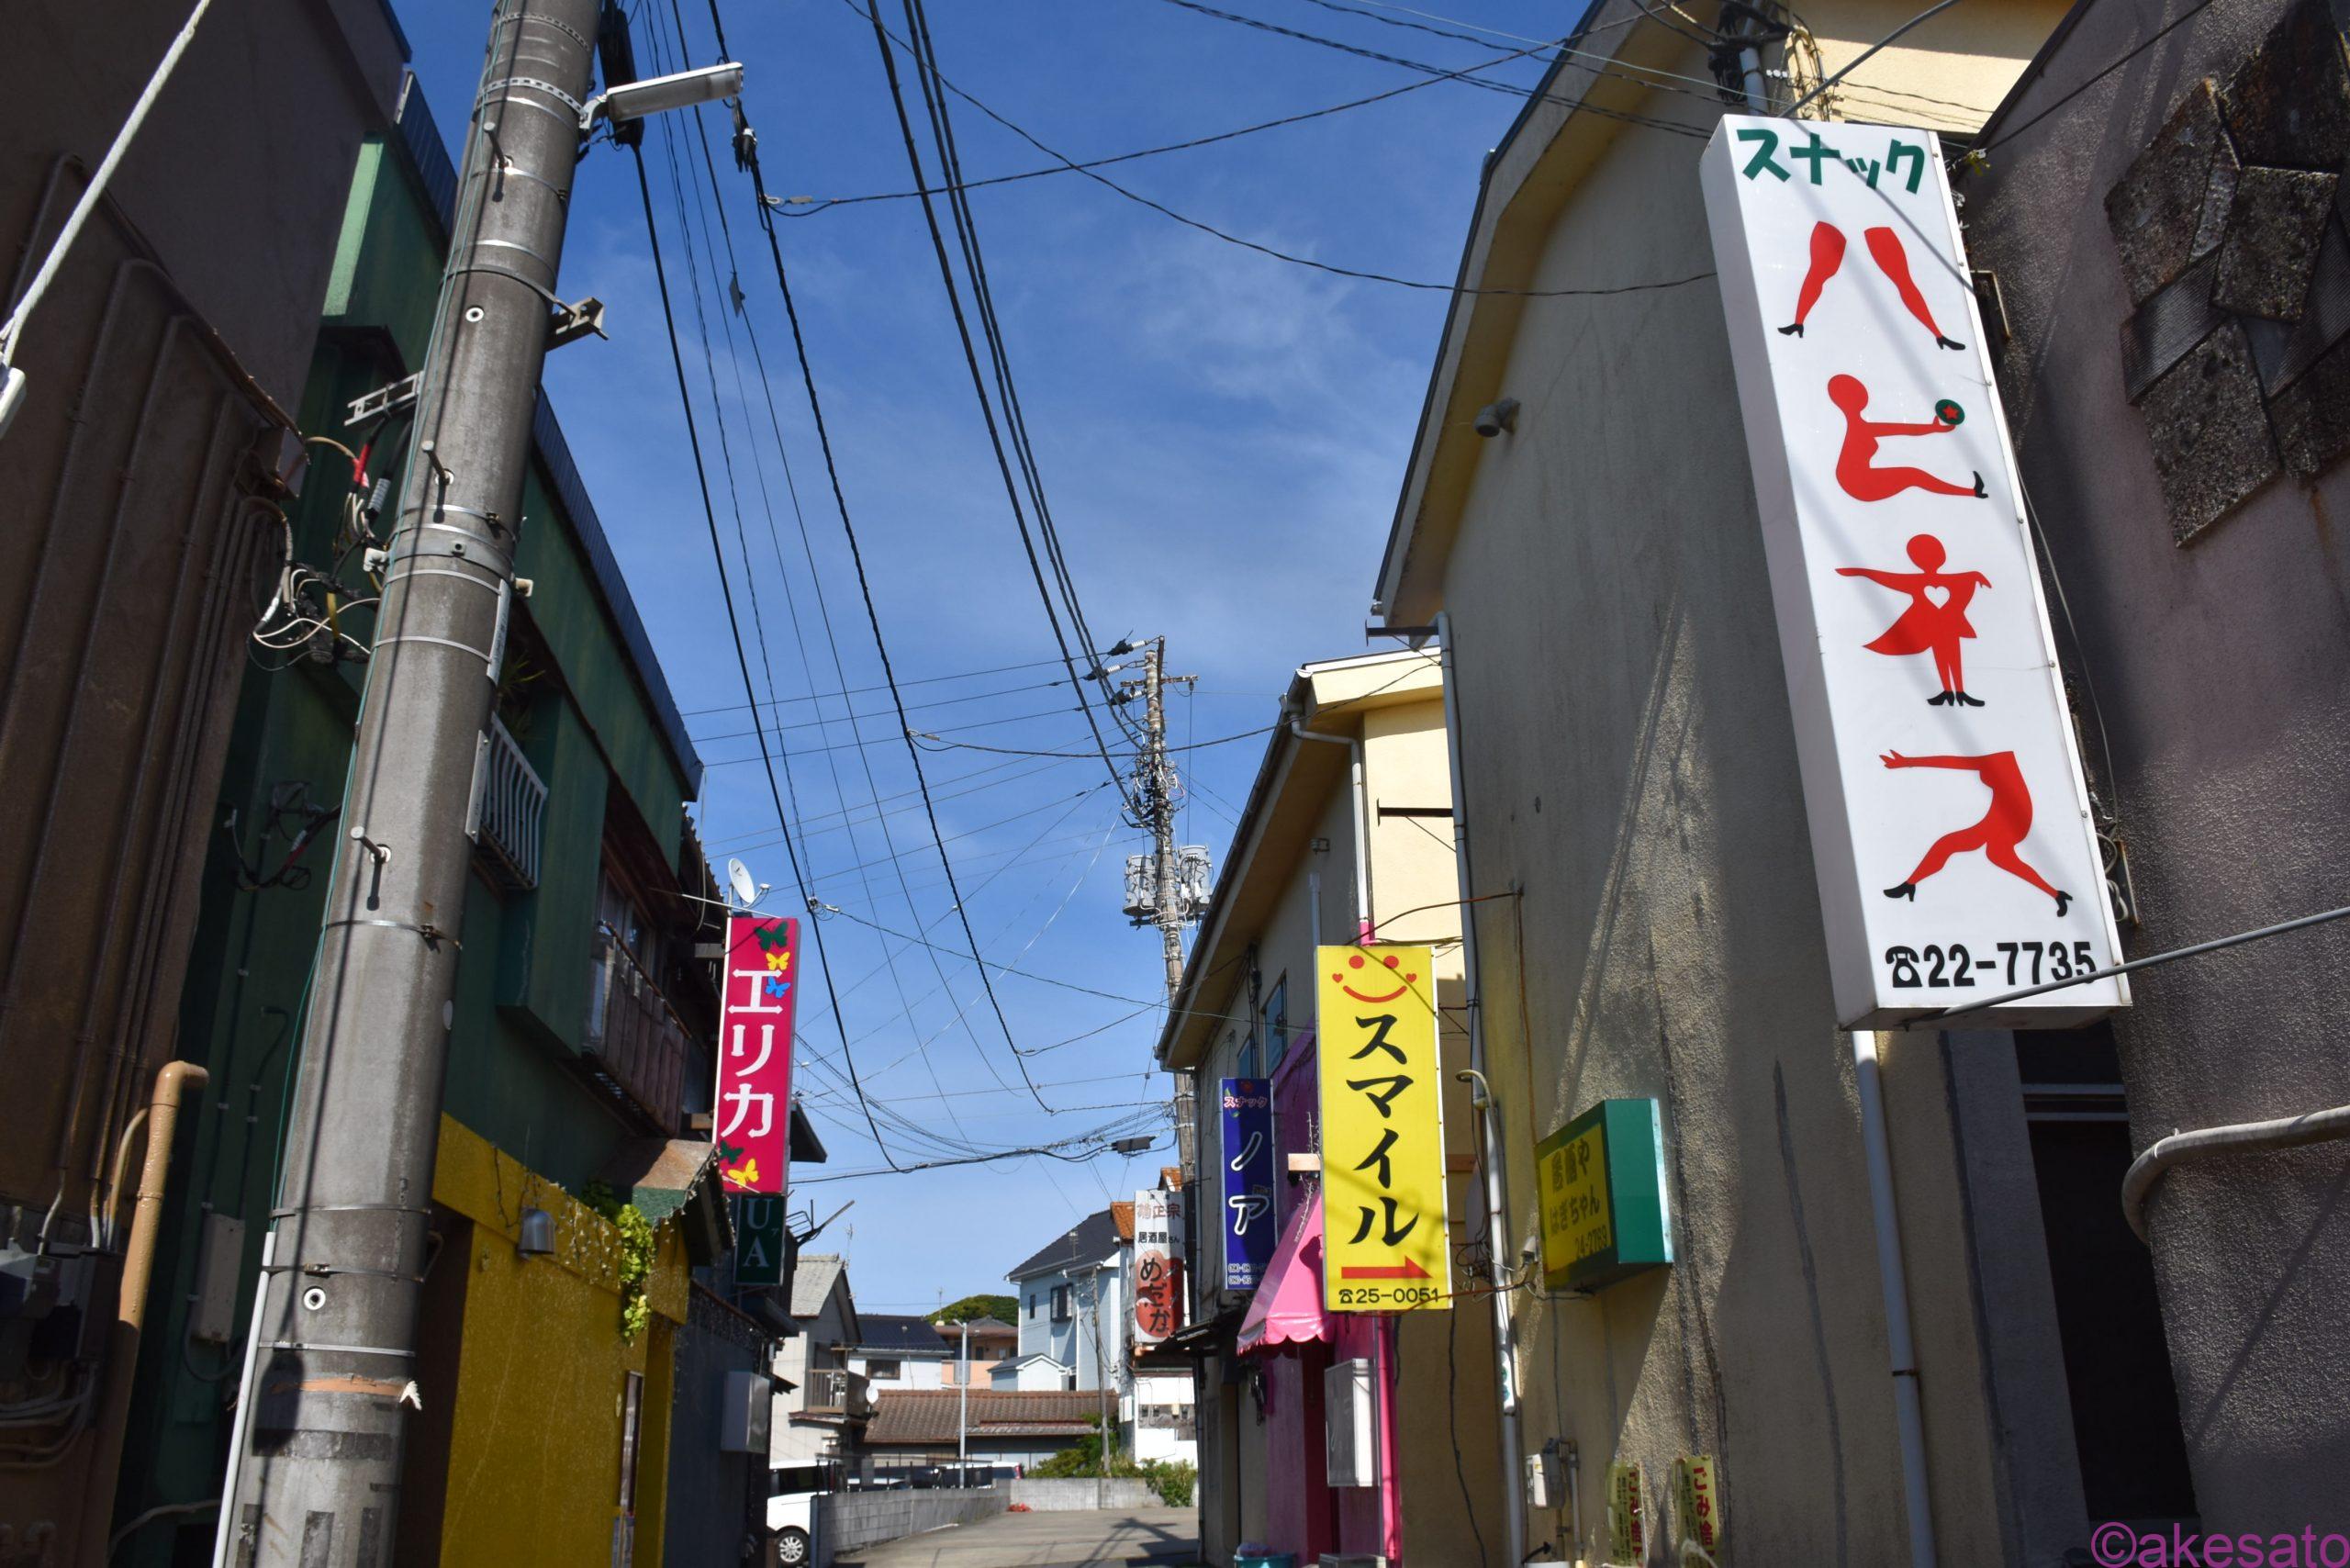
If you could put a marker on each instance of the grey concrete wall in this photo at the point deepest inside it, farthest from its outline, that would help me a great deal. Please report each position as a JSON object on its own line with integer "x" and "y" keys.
{"x": 1630, "y": 766}
{"x": 847, "y": 1520}
{"x": 1075, "y": 1494}
{"x": 2223, "y": 671}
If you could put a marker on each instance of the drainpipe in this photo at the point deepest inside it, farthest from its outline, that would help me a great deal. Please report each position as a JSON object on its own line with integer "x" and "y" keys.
{"x": 1909, "y": 1417}
{"x": 2286, "y": 1132}
{"x": 130, "y": 1307}
{"x": 1497, "y": 1245}
{"x": 1364, "y": 926}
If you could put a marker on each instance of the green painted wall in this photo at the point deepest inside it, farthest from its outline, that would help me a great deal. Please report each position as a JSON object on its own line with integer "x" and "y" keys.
{"x": 523, "y": 982}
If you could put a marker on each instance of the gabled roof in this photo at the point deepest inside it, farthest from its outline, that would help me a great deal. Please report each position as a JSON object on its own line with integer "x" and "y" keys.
{"x": 994, "y": 1327}
{"x": 1122, "y": 1214}
{"x": 813, "y": 1278}
{"x": 1087, "y": 1242}
{"x": 931, "y": 1417}
{"x": 899, "y": 1334}
{"x": 1172, "y": 1178}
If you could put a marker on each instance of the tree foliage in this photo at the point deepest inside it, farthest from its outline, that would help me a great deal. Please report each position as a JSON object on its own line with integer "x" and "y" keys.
{"x": 1003, "y": 1308}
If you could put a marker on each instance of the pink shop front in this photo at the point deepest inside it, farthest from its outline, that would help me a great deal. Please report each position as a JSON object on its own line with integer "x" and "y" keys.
{"x": 1285, "y": 1347}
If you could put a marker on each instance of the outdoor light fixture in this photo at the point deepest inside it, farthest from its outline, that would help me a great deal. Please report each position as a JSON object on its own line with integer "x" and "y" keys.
{"x": 679, "y": 90}
{"x": 536, "y": 1237}
{"x": 1496, "y": 417}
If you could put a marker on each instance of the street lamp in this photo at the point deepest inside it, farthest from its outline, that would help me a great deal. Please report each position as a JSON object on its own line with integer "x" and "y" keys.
{"x": 679, "y": 90}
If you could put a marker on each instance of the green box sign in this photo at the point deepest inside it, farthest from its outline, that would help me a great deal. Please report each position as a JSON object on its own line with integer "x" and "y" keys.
{"x": 1601, "y": 1178}
{"x": 759, "y": 1240}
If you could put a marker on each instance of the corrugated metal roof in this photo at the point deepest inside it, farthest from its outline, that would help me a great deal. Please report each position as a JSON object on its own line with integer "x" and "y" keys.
{"x": 812, "y": 1282}
{"x": 930, "y": 1415}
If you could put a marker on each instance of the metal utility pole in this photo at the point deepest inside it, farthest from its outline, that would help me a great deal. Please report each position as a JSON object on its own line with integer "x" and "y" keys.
{"x": 316, "y": 1478}
{"x": 963, "y": 1409}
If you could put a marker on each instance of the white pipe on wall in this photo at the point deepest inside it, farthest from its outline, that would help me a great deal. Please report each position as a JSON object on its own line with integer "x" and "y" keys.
{"x": 1907, "y": 1408}
{"x": 1494, "y": 1155}
{"x": 1363, "y": 924}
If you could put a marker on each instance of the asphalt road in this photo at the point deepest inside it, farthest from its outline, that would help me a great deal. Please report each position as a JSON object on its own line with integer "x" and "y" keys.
{"x": 1157, "y": 1536}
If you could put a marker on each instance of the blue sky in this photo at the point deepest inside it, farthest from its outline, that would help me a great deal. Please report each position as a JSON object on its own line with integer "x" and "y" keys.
{"x": 1222, "y": 436}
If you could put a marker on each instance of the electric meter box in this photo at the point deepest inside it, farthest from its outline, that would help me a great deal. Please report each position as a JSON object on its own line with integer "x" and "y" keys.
{"x": 743, "y": 1414}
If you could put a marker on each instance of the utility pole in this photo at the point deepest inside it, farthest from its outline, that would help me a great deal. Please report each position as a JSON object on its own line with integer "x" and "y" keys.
{"x": 316, "y": 1478}
{"x": 1156, "y": 791}
{"x": 963, "y": 1409}
{"x": 1170, "y": 912}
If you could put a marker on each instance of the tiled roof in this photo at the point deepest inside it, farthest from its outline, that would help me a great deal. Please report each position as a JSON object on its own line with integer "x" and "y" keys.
{"x": 1122, "y": 1214}
{"x": 1172, "y": 1178}
{"x": 1087, "y": 1241}
{"x": 812, "y": 1282}
{"x": 928, "y": 1416}
{"x": 889, "y": 1331}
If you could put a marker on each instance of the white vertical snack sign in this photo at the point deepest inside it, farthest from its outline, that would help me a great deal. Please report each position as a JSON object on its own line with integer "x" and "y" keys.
{"x": 1949, "y": 823}
{"x": 1158, "y": 1265}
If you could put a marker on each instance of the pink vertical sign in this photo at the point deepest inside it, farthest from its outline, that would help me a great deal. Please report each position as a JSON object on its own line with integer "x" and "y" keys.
{"x": 752, "y": 1124}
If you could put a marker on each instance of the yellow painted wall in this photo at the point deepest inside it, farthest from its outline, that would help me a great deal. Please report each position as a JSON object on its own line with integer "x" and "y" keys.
{"x": 534, "y": 1457}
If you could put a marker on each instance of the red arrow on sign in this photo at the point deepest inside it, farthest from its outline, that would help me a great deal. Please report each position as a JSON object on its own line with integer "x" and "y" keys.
{"x": 1406, "y": 1270}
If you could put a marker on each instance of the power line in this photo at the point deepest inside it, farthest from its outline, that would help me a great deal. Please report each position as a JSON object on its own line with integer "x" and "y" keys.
{"x": 1015, "y": 751}
{"x": 1295, "y": 260}
{"x": 804, "y": 207}
{"x": 749, "y": 153}
{"x": 864, "y": 690}
{"x": 742, "y": 659}
{"x": 1013, "y": 421}
{"x": 885, "y": 740}
{"x": 775, "y": 421}
{"x": 2009, "y": 133}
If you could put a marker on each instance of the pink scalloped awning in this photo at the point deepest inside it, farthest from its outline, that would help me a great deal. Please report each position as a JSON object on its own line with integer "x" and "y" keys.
{"x": 1287, "y": 1308}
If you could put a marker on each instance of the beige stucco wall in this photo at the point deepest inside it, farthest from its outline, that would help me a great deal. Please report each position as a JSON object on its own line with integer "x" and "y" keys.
{"x": 1629, "y": 764}
{"x": 1447, "y": 1430}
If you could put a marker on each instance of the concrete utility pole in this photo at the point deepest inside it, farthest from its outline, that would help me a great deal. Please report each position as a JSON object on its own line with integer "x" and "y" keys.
{"x": 1156, "y": 789}
{"x": 963, "y": 1409}
{"x": 317, "y": 1479}
{"x": 1169, "y": 911}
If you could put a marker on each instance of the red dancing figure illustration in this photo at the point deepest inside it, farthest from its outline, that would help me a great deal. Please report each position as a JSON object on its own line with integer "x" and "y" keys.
{"x": 1997, "y": 836}
{"x": 1930, "y": 625}
{"x": 1885, "y": 249}
{"x": 1856, "y": 468}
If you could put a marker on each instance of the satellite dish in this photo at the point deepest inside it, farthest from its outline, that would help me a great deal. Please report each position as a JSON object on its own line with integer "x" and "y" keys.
{"x": 738, "y": 877}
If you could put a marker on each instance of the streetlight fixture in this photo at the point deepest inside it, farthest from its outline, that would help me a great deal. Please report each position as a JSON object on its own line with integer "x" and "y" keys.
{"x": 679, "y": 90}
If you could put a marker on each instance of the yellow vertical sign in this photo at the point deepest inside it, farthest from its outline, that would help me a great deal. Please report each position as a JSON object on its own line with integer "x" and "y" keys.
{"x": 1384, "y": 1247}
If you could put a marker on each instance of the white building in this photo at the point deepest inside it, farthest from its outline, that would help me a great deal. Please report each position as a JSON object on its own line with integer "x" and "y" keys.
{"x": 894, "y": 1352}
{"x": 1076, "y": 1320}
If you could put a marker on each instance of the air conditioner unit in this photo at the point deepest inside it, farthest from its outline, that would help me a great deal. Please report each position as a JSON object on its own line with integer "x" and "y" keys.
{"x": 1350, "y": 1418}
{"x": 744, "y": 1411}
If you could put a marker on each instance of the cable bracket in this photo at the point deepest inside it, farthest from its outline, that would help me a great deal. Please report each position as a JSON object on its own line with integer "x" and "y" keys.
{"x": 391, "y": 399}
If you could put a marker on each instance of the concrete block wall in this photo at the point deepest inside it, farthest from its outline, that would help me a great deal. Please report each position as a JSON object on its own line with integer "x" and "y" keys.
{"x": 1070, "y": 1495}
{"x": 848, "y": 1521}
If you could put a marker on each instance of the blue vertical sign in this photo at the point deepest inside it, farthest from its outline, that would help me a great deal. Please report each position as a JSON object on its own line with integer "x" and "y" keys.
{"x": 1247, "y": 1116}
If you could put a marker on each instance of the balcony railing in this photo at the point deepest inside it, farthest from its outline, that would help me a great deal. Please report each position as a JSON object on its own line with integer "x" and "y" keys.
{"x": 836, "y": 1391}
{"x": 508, "y": 806}
{"x": 636, "y": 1049}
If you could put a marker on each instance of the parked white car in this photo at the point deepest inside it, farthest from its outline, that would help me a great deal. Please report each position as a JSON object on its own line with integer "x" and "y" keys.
{"x": 791, "y": 1519}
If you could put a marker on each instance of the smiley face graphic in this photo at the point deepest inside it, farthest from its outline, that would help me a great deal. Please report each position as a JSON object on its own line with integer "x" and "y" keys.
{"x": 1356, "y": 962}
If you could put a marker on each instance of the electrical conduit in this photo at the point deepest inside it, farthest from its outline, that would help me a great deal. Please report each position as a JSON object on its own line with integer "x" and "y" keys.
{"x": 131, "y": 1308}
